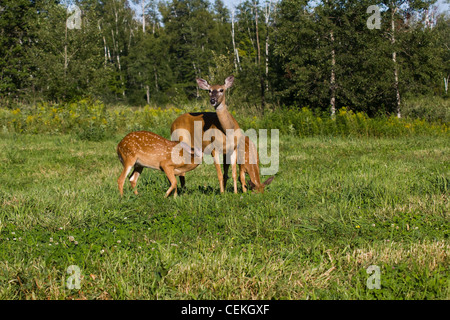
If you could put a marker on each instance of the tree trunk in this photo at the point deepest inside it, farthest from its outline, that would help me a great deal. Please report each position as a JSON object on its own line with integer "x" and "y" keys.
{"x": 143, "y": 15}
{"x": 66, "y": 63}
{"x": 446, "y": 84}
{"x": 156, "y": 78}
{"x": 267, "y": 18}
{"x": 333, "y": 77}
{"x": 394, "y": 60}
{"x": 235, "y": 51}
{"x": 104, "y": 44}
{"x": 257, "y": 35}
{"x": 261, "y": 78}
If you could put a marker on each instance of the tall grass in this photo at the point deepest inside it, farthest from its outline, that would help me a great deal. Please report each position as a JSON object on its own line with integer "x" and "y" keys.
{"x": 92, "y": 120}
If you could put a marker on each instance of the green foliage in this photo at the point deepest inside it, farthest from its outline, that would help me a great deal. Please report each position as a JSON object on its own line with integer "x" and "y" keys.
{"x": 114, "y": 58}
{"x": 306, "y": 123}
{"x": 431, "y": 109}
{"x": 192, "y": 36}
{"x": 66, "y": 61}
{"x": 16, "y": 37}
{"x": 363, "y": 66}
{"x": 92, "y": 120}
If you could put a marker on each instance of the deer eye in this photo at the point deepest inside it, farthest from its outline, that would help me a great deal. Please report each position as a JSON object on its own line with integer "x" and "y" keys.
{"x": 210, "y": 90}
{"x": 221, "y": 90}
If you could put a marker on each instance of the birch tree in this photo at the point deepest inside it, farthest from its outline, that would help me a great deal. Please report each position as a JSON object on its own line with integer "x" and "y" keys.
{"x": 395, "y": 6}
{"x": 117, "y": 26}
{"x": 237, "y": 63}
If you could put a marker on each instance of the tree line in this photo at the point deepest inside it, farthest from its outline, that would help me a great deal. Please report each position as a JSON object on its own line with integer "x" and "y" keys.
{"x": 324, "y": 55}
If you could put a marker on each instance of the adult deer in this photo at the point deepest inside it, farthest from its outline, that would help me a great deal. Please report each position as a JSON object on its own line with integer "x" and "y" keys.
{"x": 183, "y": 129}
{"x": 144, "y": 149}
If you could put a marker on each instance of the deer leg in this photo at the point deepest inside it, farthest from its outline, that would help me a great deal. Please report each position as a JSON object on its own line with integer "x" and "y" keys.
{"x": 168, "y": 170}
{"x": 219, "y": 171}
{"x": 134, "y": 177}
{"x": 233, "y": 159}
{"x": 182, "y": 180}
{"x": 226, "y": 165}
{"x": 126, "y": 170}
{"x": 242, "y": 178}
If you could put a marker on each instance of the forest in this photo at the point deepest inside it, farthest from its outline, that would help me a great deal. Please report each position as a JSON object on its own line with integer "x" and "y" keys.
{"x": 366, "y": 56}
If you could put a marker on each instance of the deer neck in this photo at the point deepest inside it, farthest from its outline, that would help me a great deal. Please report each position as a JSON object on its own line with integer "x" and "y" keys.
{"x": 254, "y": 176}
{"x": 225, "y": 118}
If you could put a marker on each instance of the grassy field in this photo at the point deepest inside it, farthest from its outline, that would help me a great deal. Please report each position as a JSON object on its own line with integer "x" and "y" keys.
{"x": 336, "y": 206}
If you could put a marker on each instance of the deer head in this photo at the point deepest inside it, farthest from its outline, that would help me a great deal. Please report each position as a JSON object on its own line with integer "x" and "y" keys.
{"x": 216, "y": 92}
{"x": 259, "y": 188}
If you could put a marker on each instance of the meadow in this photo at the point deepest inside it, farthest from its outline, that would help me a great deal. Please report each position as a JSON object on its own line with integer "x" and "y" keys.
{"x": 350, "y": 192}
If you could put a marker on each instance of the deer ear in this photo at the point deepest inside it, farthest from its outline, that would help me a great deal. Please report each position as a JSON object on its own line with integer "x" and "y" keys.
{"x": 203, "y": 84}
{"x": 268, "y": 181}
{"x": 229, "y": 82}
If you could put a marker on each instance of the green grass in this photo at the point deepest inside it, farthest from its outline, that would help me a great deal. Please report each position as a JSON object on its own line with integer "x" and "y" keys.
{"x": 336, "y": 206}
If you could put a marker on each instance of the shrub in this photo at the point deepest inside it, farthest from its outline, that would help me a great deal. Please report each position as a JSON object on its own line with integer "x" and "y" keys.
{"x": 92, "y": 120}
{"x": 434, "y": 109}
{"x": 306, "y": 123}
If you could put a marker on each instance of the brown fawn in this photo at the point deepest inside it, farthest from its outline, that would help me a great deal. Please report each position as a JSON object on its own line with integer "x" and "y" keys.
{"x": 144, "y": 149}
{"x": 222, "y": 120}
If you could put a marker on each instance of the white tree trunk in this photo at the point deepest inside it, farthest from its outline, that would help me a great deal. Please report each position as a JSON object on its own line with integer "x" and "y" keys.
{"x": 66, "y": 63}
{"x": 143, "y": 15}
{"x": 267, "y": 18}
{"x": 394, "y": 60}
{"x": 237, "y": 63}
{"x": 333, "y": 77}
{"x": 257, "y": 34}
{"x": 446, "y": 84}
